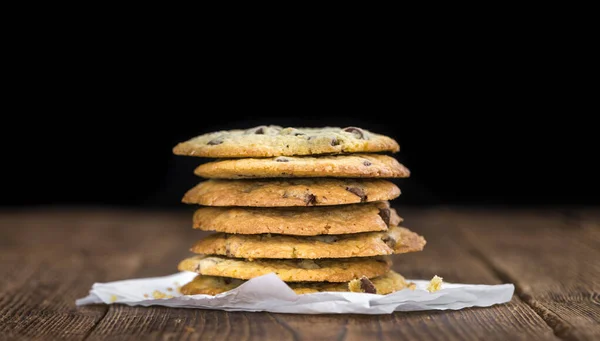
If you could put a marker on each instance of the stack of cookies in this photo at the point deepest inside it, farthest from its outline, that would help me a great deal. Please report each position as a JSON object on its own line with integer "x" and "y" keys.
{"x": 309, "y": 204}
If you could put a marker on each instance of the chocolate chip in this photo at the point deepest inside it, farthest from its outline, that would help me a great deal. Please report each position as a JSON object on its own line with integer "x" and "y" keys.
{"x": 299, "y": 134}
{"x": 281, "y": 159}
{"x": 227, "y": 280}
{"x": 357, "y": 132}
{"x": 197, "y": 269}
{"x": 367, "y": 163}
{"x": 367, "y": 286}
{"x": 358, "y": 192}
{"x": 335, "y": 142}
{"x": 384, "y": 213}
{"x": 215, "y": 141}
{"x": 260, "y": 130}
{"x": 310, "y": 199}
{"x": 389, "y": 241}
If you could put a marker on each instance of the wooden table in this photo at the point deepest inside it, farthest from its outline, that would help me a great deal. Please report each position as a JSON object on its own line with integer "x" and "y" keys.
{"x": 49, "y": 258}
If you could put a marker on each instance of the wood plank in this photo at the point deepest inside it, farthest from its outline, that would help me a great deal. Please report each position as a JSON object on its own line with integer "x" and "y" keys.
{"x": 81, "y": 248}
{"x": 552, "y": 257}
{"x": 589, "y": 220}
{"x": 161, "y": 323}
{"x": 40, "y": 277}
{"x": 48, "y": 259}
{"x": 444, "y": 256}
{"x": 162, "y": 252}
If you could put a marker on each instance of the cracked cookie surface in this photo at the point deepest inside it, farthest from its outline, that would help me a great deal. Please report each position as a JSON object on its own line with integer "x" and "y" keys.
{"x": 290, "y": 192}
{"x": 212, "y": 285}
{"x": 300, "y": 221}
{"x": 297, "y": 270}
{"x": 393, "y": 241}
{"x": 266, "y": 141}
{"x": 341, "y": 166}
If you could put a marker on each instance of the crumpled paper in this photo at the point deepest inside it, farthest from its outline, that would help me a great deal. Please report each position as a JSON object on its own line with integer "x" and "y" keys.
{"x": 270, "y": 293}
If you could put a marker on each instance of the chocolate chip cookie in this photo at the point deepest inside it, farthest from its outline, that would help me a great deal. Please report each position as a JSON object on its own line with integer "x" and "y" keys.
{"x": 297, "y": 270}
{"x": 290, "y": 192}
{"x": 266, "y": 141}
{"x": 382, "y": 285}
{"x": 393, "y": 241}
{"x": 339, "y": 166}
{"x": 299, "y": 221}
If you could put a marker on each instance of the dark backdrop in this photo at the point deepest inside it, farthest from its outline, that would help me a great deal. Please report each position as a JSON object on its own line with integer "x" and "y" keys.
{"x": 477, "y": 125}
{"x": 488, "y": 159}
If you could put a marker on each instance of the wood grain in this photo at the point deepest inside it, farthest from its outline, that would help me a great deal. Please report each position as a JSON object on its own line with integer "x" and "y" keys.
{"x": 50, "y": 258}
{"x": 40, "y": 278}
{"x": 444, "y": 256}
{"x": 552, "y": 257}
{"x": 589, "y": 222}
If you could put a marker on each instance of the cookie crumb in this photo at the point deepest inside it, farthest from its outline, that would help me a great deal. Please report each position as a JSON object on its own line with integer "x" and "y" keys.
{"x": 113, "y": 298}
{"x": 435, "y": 284}
{"x": 189, "y": 329}
{"x": 354, "y": 285}
{"x": 146, "y": 295}
{"x": 159, "y": 295}
{"x": 362, "y": 284}
{"x": 412, "y": 286}
{"x": 169, "y": 289}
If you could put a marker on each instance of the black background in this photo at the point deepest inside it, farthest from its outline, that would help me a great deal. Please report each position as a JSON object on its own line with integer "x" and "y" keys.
{"x": 491, "y": 129}
{"x": 483, "y": 160}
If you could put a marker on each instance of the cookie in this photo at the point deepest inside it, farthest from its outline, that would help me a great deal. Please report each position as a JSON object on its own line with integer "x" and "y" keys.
{"x": 298, "y": 270}
{"x": 300, "y": 221}
{"x": 382, "y": 285}
{"x": 339, "y": 166}
{"x": 395, "y": 240}
{"x": 290, "y": 192}
{"x": 266, "y": 141}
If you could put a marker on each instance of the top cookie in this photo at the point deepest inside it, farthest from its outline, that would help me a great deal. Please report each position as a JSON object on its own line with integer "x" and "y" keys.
{"x": 265, "y": 141}
{"x": 338, "y": 166}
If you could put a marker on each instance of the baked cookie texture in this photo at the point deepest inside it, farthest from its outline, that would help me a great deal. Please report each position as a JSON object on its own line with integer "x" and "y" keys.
{"x": 344, "y": 166}
{"x": 299, "y": 221}
{"x": 307, "y": 204}
{"x": 393, "y": 241}
{"x": 266, "y": 141}
{"x": 382, "y": 285}
{"x": 290, "y": 192}
{"x": 298, "y": 270}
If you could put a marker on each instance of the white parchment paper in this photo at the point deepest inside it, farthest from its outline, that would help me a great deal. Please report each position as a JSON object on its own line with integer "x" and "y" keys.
{"x": 269, "y": 293}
